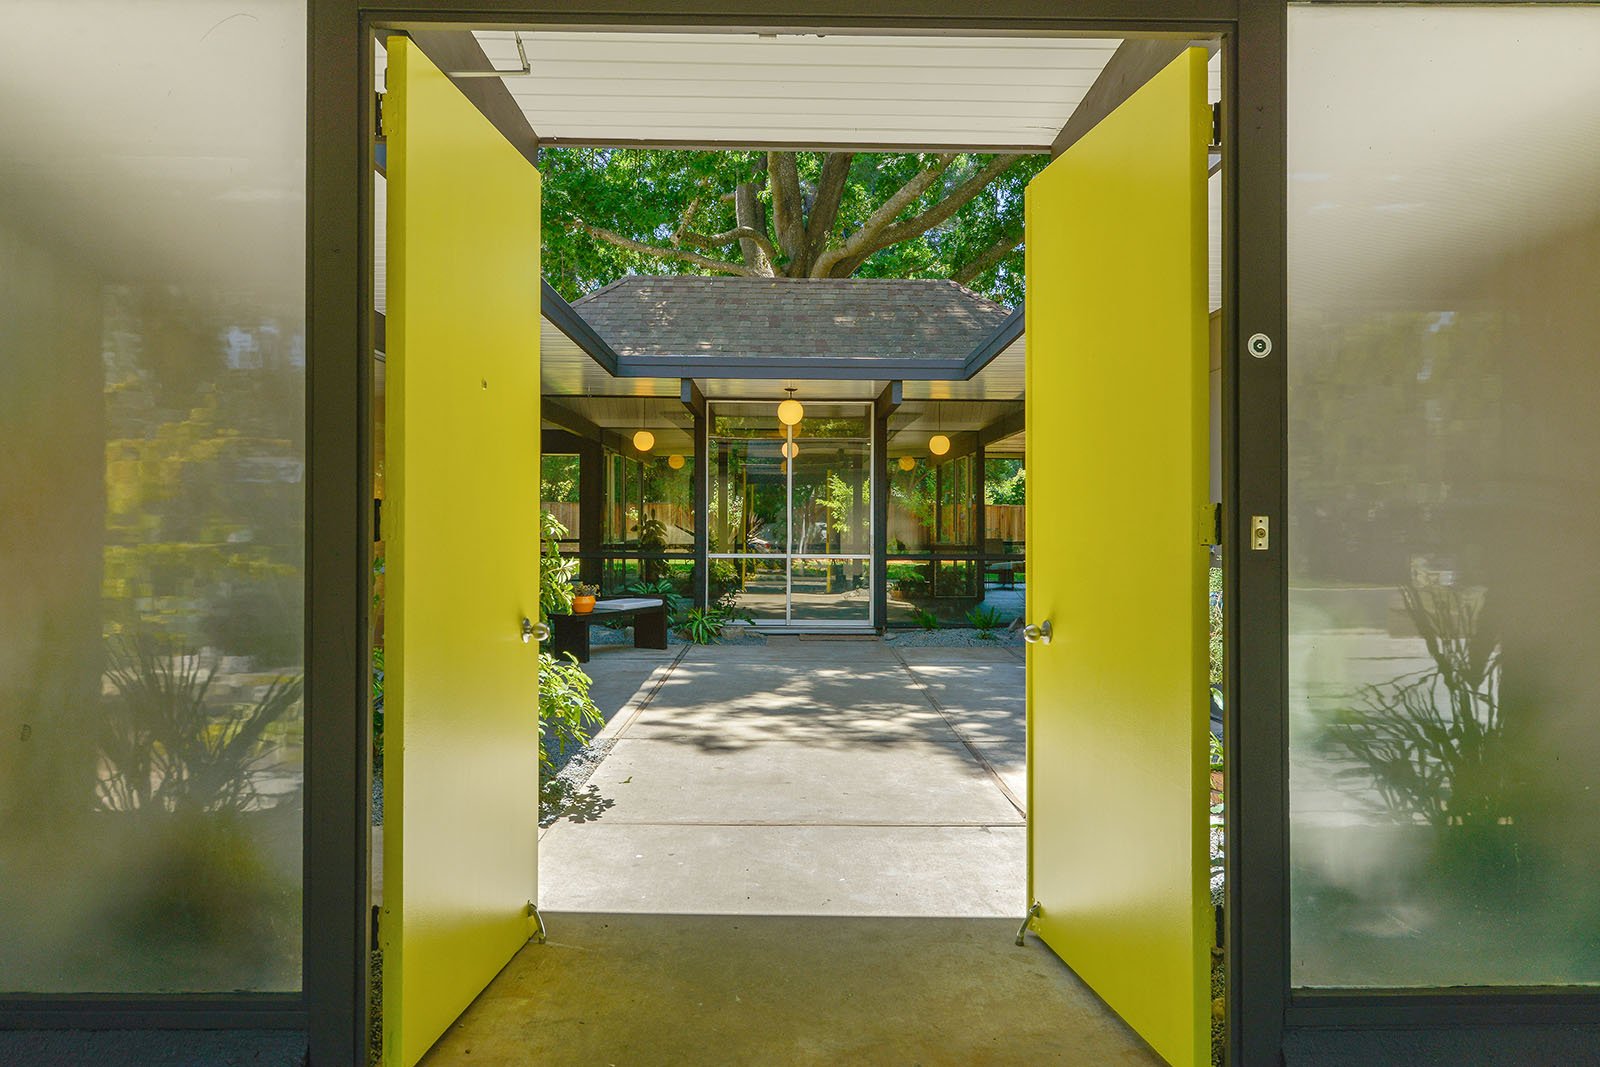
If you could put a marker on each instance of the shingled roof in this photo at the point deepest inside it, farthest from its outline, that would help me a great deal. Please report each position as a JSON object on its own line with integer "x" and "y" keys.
{"x": 791, "y": 318}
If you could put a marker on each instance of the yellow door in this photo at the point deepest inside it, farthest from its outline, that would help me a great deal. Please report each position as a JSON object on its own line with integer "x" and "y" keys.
{"x": 1117, "y": 480}
{"x": 461, "y": 749}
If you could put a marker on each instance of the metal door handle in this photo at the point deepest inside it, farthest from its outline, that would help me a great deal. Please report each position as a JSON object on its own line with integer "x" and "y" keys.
{"x": 535, "y": 631}
{"x": 1037, "y": 635}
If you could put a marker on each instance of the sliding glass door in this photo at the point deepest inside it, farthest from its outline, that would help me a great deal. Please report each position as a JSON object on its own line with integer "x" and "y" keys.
{"x": 790, "y": 514}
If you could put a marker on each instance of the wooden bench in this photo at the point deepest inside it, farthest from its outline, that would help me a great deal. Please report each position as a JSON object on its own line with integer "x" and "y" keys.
{"x": 570, "y": 633}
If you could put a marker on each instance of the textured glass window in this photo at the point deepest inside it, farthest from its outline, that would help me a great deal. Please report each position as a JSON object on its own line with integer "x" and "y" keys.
{"x": 152, "y": 174}
{"x": 1444, "y": 525}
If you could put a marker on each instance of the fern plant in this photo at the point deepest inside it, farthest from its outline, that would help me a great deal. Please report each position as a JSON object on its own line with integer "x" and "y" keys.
{"x": 986, "y": 621}
{"x": 925, "y": 620}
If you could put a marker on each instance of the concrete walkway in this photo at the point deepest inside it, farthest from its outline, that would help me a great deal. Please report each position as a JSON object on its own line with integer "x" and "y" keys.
{"x": 810, "y": 852}
{"x": 804, "y": 777}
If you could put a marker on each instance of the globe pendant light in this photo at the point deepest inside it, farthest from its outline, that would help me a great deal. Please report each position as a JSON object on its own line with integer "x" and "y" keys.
{"x": 908, "y": 463}
{"x": 938, "y": 444}
{"x": 791, "y": 411}
{"x": 675, "y": 461}
{"x": 790, "y": 450}
{"x": 644, "y": 440}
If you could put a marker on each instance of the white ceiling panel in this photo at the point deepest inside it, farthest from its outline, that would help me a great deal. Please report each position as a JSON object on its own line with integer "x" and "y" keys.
{"x": 800, "y": 89}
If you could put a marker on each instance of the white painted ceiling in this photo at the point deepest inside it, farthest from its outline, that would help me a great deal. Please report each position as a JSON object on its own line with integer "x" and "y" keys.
{"x": 798, "y": 89}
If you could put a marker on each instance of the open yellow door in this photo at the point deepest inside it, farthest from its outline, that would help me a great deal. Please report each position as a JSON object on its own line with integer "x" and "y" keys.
{"x": 461, "y": 763}
{"x": 1117, "y": 483}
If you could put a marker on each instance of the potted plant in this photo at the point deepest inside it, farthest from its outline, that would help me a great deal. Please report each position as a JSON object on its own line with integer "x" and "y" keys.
{"x": 583, "y": 598}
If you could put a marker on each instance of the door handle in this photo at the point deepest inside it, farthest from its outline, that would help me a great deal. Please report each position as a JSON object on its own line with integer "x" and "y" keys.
{"x": 1037, "y": 635}
{"x": 535, "y": 631}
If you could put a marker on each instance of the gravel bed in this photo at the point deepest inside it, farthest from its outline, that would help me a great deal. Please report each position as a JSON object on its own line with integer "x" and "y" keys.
{"x": 732, "y": 635}
{"x": 954, "y": 637}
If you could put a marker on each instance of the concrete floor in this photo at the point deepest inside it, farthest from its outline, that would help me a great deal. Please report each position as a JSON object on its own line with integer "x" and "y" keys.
{"x": 809, "y": 851}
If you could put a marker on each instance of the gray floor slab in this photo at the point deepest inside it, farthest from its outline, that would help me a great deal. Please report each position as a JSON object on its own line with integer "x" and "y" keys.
{"x": 983, "y": 694}
{"x": 805, "y": 990}
{"x": 789, "y": 870}
{"x": 913, "y": 782}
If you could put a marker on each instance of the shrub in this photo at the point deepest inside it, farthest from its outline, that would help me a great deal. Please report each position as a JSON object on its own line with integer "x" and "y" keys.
{"x": 704, "y": 625}
{"x": 925, "y": 620}
{"x": 566, "y": 713}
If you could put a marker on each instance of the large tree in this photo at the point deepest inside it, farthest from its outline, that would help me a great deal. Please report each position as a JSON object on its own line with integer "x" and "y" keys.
{"x": 611, "y": 212}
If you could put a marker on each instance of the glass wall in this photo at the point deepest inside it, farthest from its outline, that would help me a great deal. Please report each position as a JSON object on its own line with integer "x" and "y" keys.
{"x": 956, "y": 530}
{"x": 790, "y": 513}
{"x": 151, "y": 500}
{"x": 560, "y": 488}
{"x": 1444, "y": 526}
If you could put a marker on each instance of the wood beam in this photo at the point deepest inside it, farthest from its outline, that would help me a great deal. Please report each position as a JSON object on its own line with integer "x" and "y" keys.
{"x": 452, "y": 50}
{"x": 888, "y": 400}
{"x": 1132, "y": 64}
{"x": 693, "y": 399}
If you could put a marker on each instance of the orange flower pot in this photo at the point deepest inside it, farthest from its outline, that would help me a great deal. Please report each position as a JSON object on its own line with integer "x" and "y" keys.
{"x": 582, "y": 605}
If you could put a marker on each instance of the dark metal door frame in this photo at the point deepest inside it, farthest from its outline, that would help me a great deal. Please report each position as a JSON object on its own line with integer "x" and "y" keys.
{"x": 340, "y": 113}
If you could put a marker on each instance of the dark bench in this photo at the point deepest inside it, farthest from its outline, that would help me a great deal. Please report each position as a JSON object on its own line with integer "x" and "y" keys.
{"x": 570, "y": 633}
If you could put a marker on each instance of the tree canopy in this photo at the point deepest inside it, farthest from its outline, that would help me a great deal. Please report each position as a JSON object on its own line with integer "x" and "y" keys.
{"x": 613, "y": 212}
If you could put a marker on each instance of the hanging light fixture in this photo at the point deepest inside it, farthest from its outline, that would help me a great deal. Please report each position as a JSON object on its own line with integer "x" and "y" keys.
{"x": 644, "y": 440}
{"x": 675, "y": 461}
{"x": 908, "y": 463}
{"x": 790, "y": 450}
{"x": 938, "y": 444}
{"x": 791, "y": 411}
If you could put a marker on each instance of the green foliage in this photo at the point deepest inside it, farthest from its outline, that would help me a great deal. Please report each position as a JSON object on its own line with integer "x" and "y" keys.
{"x": 584, "y": 589}
{"x": 558, "y": 479}
{"x": 1005, "y": 481}
{"x": 555, "y": 572}
{"x": 567, "y": 715}
{"x": 1214, "y": 611}
{"x": 652, "y": 538}
{"x": 986, "y": 621}
{"x": 647, "y": 196}
{"x": 664, "y": 590}
{"x": 377, "y": 704}
{"x": 704, "y": 625}
{"x": 899, "y": 573}
{"x": 925, "y": 620}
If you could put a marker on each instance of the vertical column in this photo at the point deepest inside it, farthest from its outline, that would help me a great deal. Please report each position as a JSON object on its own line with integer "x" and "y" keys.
{"x": 702, "y": 508}
{"x": 882, "y": 408}
{"x": 591, "y": 510}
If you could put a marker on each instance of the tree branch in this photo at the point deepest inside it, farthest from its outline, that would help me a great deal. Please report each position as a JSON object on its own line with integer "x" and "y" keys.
{"x": 955, "y": 201}
{"x": 788, "y": 211}
{"x": 864, "y": 240}
{"x": 727, "y": 237}
{"x": 824, "y": 209}
{"x": 749, "y": 213}
{"x": 678, "y": 254}
{"x": 988, "y": 258}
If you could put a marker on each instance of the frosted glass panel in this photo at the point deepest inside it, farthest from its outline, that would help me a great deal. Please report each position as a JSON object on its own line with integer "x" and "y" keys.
{"x": 1444, "y": 526}
{"x": 152, "y": 173}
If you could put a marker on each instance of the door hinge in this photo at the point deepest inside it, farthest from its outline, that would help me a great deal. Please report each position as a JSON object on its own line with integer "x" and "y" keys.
{"x": 1211, "y": 525}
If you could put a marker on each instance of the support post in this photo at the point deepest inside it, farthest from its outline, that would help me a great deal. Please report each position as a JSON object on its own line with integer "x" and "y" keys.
{"x": 884, "y": 406}
{"x": 695, "y": 401}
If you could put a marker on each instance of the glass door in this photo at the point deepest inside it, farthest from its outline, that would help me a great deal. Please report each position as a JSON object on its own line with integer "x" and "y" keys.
{"x": 790, "y": 515}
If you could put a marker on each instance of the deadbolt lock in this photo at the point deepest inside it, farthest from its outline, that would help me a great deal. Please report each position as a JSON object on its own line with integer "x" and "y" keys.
{"x": 1258, "y": 533}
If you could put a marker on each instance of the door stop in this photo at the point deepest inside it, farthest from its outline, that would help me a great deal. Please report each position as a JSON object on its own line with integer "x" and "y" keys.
{"x": 1022, "y": 931}
{"x": 539, "y": 934}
